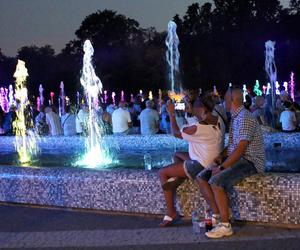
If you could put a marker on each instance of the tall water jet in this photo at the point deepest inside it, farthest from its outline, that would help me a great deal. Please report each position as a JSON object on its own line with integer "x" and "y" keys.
{"x": 41, "y": 90}
{"x": 271, "y": 70}
{"x": 62, "y": 98}
{"x": 97, "y": 153}
{"x": 11, "y": 95}
{"x": 173, "y": 56}
{"x": 26, "y": 141}
{"x": 292, "y": 86}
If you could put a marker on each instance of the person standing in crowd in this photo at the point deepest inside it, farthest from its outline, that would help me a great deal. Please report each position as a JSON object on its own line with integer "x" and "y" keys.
{"x": 68, "y": 122}
{"x": 149, "y": 119}
{"x": 41, "y": 126}
{"x": 8, "y": 120}
{"x": 206, "y": 141}
{"x": 81, "y": 119}
{"x": 288, "y": 119}
{"x": 53, "y": 121}
{"x": 245, "y": 156}
{"x": 121, "y": 121}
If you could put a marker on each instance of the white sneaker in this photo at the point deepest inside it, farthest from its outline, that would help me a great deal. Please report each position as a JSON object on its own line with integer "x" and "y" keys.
{"x": 220, "y": 231}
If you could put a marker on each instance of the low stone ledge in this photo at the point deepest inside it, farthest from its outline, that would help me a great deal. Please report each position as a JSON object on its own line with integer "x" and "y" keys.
{"x": 267, "y": 198}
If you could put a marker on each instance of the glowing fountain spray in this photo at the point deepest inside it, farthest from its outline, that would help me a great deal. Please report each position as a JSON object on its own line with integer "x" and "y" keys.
{"x": 172, "y": 55}
{"x": 292, "y": 86}
{"x": 271, "y": 70}
{"x": 97, "y": 153}
{"x": 11, "y": 96}
{"x": 26, "y": 141}
{"x": 62, "y": 97}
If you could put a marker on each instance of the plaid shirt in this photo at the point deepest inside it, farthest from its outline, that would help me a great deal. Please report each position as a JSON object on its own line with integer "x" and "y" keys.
{"x": 245, "y": 127}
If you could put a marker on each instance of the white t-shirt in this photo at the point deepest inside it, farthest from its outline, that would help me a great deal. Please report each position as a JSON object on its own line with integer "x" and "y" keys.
{"x": 288, "y": 120}
{"x": 149, "y": 118}
{"x": 68, "y": 123}
{"x": 81, "y": 117}
{"x": 120, "y": 119}
{"x": 53, "y": 122}
{"x": 207, "y": 143}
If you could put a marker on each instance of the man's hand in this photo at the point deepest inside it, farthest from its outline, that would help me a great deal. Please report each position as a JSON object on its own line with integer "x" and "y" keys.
{"x": 215, "y": 170}
{"x": 218, "y": 160}
{"x": 170, "y": 107}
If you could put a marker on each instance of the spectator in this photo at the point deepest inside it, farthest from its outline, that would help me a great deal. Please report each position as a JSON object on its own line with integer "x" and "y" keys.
{"x": 206, "y": 141}
{"x": 245, "y": 156}
{"x": 258, "y": 111}
{"x": 81, "y": 119}
{"x": 149, "y": 119}
{"x": 53, "y": 121}
{"x": 68, "y": 122}
{"x": 41, "y": 126}
{"x": 288, "y": 119}
{"x": 121, "y": 120}
{"x": 7, "y": 123}
{"x": 165, "y": 119}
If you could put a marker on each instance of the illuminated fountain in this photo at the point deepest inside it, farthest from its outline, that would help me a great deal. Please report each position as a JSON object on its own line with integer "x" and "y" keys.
{"x": 26, "y": 140}
{"x": 271, "y": 70}
{"x": 172, "y": 55}
{"x": 97, "y": 153}
{"x": 11, "y": 96}
{"x": 256, "y": 89}
{"x": 245, "y": 92}
{"x": 292, "y": 86}
{"x": 62, "y": 98}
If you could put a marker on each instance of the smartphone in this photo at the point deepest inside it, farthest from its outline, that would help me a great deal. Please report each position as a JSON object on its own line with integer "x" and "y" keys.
{"x": 180, "y": 106}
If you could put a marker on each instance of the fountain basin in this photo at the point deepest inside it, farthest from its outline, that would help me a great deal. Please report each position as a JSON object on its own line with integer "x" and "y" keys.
{"x": 271, "y": 197}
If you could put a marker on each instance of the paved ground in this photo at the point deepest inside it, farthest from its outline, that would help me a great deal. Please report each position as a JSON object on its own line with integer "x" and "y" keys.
{"x": 41, "y": 228}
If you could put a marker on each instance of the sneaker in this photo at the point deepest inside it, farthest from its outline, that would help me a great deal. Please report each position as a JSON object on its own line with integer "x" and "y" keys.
{"x": 215, "y": 219}
{"x": 220, "y": 231}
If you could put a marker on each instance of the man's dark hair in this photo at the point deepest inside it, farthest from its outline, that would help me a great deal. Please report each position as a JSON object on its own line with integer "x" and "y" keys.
{"x": 205, "y": 100}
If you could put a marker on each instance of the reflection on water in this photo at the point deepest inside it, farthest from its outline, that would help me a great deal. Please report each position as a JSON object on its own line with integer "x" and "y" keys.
{"x": 277, "y": 159}
{"x": 126, "y": 159}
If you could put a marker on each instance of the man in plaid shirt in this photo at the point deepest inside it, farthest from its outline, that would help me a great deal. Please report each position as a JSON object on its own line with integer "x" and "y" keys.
{"x": 244, "y": 157}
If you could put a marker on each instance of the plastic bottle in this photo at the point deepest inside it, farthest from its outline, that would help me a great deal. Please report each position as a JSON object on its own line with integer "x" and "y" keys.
{"x": 195, "y": 222}
{"x": 147, "y": 161}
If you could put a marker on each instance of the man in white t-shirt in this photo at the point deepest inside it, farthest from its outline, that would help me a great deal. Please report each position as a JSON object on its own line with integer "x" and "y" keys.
{"x": 53, "y": 121}
{"x": 206, "y": 141}
{"x": 81, "y": 119}
{"x": 288, "y": 119}
{"x": 121, "y": 121}
{"x": 68, "y": 122}
{"x": 149, "y": 119}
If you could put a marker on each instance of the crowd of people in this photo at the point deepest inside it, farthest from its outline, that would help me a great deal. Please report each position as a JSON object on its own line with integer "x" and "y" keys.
{"x": 149, "y": 117}
{"x": 202, "y": 120}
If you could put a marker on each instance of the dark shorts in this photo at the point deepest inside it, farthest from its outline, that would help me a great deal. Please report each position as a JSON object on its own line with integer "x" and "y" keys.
{"x": 192, "y": 168}
{"x": 230, "y": 176}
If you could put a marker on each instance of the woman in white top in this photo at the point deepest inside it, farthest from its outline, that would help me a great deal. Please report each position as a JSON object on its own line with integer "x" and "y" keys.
{"x": 206, "y": 142}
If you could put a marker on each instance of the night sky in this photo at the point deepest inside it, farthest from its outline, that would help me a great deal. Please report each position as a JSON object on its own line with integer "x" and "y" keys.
{"x": 40, "y": 22}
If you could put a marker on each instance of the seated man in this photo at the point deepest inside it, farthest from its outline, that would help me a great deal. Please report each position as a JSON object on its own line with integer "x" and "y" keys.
{"x": 244, "y": 157}
{"x": 121, "y": 120}
{"x": 288, "y": 119}
{"x": 149, "y": 118}
{"x": 206, "y": 141}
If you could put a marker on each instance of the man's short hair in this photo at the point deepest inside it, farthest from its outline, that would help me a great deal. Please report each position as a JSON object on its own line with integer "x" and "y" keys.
{"x": 149, "y": 104}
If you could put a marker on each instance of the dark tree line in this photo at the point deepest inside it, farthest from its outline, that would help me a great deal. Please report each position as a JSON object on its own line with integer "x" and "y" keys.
{"x": 219, "y": 43}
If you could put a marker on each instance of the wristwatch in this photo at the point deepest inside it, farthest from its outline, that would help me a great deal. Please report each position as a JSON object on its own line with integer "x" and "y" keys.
{"x": 221, "y": 167}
